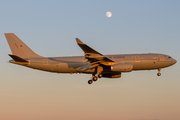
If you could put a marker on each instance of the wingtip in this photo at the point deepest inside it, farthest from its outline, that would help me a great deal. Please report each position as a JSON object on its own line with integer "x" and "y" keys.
{"x": 79, "y": 41}
{"x": 8, "y": 33}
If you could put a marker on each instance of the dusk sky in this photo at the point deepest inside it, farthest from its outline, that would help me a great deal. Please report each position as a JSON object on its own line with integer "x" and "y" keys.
{"x": 49, "y": 28}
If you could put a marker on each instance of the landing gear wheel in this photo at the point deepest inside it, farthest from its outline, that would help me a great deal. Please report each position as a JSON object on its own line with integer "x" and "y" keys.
{"x": 90, "y": 82}
{"x": 100, "y": 75}
{"x": 158, "y": 74}
{"x": 95, "y": 78}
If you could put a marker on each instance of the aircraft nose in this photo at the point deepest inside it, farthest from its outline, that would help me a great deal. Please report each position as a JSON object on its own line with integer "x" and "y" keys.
{"x": 175, "y": 61}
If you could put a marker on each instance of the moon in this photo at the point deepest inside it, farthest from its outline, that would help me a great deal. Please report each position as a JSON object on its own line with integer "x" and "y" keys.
{"x": 108, "y": 14}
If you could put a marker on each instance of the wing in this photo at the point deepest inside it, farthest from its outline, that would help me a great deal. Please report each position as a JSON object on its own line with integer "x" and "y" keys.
{"x": 95, "y": 58}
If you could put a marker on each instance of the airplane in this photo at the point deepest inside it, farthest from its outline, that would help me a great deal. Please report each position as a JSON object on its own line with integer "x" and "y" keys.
{"x": 93, "y": 62}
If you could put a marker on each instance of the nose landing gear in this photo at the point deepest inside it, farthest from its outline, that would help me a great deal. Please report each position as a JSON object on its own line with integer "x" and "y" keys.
{"x": 159, "y": 74}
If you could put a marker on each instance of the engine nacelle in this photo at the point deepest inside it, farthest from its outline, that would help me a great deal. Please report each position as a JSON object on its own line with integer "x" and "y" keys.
{"x": 122, "y": 67}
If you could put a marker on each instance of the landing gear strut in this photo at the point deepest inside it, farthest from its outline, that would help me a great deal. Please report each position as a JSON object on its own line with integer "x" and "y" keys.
{"x": 159, "y": 74}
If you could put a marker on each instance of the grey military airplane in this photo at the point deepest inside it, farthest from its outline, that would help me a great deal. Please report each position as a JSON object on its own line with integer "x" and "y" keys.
{"x": 93, "y": 62}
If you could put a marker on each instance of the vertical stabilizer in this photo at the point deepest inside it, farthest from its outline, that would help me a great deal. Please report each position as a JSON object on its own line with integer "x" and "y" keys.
{"x": 19, "y": 48}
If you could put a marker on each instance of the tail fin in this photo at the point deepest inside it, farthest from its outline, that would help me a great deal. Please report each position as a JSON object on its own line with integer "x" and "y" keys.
{"x": 19, "y": 48}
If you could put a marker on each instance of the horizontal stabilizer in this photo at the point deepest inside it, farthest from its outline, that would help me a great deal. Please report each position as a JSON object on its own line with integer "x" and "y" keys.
{"x": 17, "y": 59}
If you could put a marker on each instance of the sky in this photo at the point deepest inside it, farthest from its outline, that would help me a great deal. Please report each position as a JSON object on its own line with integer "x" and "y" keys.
{"x": 49, "y": 27}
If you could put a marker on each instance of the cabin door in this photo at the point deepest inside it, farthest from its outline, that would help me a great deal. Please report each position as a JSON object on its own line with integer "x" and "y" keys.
{"x": 45, "y": 61}
{"x": 137, "y": 58}
{"x": 161, "y": 58}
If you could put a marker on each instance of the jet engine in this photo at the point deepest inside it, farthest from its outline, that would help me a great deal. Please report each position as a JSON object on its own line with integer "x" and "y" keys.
{"x": 122, "y": 67}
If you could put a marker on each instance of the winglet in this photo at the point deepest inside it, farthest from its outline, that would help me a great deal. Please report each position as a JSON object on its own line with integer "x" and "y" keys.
{"x": 86, "y": 48}
{"x": 79, "y": 41}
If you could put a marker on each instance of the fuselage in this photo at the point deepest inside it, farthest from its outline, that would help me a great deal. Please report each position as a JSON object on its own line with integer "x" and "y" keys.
{"x": 79, "y": 64}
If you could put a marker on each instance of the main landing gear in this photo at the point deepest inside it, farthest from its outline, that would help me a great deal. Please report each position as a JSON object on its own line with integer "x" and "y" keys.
{"x": 97, "y": 74}
{"x": 94, "y": 78}
{"x": 159, "y": 74}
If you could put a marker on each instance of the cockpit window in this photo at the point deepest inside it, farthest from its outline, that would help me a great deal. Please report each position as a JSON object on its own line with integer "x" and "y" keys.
{"x": 170, "y": 57}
